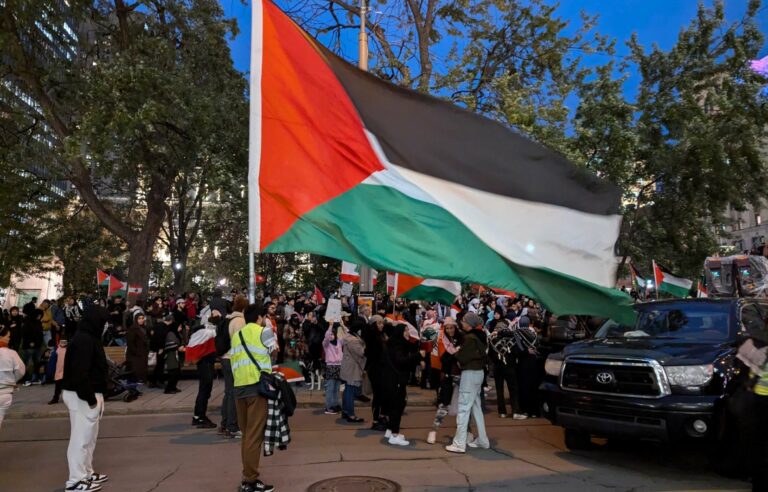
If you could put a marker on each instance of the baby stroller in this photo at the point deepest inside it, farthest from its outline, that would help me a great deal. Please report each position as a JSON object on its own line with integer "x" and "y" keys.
{"x": 117, "y": 383}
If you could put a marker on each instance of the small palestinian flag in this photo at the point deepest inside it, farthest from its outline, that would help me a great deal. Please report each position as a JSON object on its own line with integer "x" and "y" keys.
{"x": 102, "y": 278}
{"x": 116, "y": 287}
{"x": 426, "y": 289}
{"x": 637, "y": 280}
{"x": 672, "y": 285}
{"x": 402, "y": 181}
{"x": 702, "y": 289}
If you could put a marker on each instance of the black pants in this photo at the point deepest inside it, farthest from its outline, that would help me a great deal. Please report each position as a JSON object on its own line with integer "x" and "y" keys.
{"x": 158, "y": 373}
{"x": 396, "y": 408}
{"x": 528, "y": 382}
{"x": 376, "y": 405}
{"x": 758, "y": 443}
{"x": 57, "y": 390}
{"x": 171, "y": 379}
{"x": 205, "y": 373}
{"x": 506, "y": 374}
{"x": 425, "y": 373}
{"x": 445, "y": 392}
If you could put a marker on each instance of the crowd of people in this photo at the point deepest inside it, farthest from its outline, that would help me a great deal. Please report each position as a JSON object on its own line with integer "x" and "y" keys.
{"x": 377, "y": 349}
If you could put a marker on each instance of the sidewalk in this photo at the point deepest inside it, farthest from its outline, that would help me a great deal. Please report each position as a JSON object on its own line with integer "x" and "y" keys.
{"x": 32, "y": 401}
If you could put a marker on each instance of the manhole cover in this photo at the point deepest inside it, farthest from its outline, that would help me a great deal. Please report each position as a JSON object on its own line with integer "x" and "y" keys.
{"x": 354, "y": 484}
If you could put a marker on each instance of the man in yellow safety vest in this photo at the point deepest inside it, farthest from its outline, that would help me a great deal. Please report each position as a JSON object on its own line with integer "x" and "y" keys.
{"x": 249, "y": 355}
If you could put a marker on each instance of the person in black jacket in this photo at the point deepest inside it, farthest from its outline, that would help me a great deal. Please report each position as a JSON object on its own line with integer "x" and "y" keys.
{"x": 84, "y": 384}
{"x": 375, "y": 344}
{"x": 32, "y": 345}
{"x": 504, "y": 351}
{"x": 15, "y": 322}
{"x": 399, "y": 359}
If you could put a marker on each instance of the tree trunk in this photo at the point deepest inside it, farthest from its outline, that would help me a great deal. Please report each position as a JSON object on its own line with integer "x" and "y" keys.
{"x": 140, "y": 253}
{"x": 180, "y": 274}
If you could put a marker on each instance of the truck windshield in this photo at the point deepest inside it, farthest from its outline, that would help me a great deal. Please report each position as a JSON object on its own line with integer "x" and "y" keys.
{"x": 701, "y": 321}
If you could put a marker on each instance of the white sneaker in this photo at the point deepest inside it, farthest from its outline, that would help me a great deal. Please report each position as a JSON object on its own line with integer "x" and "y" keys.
{"x": 398, "y": 440}
{"x": 519, "y": 416}
{"x": 475, "y": 444}
{"x": 502, "y": 415}
{"x": 431, "y": 437}
{"x": 388, "y": 434}
{"x": 452, "y": 448}
{"x": 85, "y": 485}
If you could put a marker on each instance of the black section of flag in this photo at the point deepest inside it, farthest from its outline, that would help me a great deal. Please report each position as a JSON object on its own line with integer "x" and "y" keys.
{"x": 436, "y": 138}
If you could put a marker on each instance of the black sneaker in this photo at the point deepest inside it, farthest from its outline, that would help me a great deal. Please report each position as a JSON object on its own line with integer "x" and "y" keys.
{"x": 98, "y": 478}
{"x": 257, "y": 486}
{"x": 85, "y": 485}
{"x": 379, "y": 427}
{"x": 203, "y": 423}
{"x": 363, "y": 398}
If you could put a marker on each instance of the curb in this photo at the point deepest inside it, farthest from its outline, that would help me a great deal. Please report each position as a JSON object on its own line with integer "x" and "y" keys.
{"x": 112, "y": 411}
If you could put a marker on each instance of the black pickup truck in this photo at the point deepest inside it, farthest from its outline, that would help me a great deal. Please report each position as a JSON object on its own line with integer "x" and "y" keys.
{"x": 665, "y": 378}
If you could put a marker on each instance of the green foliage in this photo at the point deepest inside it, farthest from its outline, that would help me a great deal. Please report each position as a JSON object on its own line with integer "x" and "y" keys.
{"x": 146, "y": 94}
{"x": 690, "y": 146}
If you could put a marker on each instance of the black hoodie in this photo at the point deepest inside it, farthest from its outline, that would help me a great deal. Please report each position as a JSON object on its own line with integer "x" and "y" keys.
{"x": 85, "y": 366}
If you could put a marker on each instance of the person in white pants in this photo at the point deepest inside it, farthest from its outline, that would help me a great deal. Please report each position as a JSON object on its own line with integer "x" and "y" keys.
{"x": 472, "y": 357}
{"x": 84, "y": 430}
{"x": 11, "y": 371}
{"x": 83, "y": 387}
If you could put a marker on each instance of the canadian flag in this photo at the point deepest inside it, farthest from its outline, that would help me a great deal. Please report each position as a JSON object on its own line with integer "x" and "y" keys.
{"x": 116, "y": 286}
{"x": 135, "y": 289}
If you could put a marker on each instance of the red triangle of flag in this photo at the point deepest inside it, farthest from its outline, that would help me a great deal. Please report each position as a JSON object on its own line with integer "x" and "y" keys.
{"x": 102, "y": 278}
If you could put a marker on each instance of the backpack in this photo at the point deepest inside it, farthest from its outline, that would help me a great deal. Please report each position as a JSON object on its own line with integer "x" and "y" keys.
{"x": 222, "y": 340}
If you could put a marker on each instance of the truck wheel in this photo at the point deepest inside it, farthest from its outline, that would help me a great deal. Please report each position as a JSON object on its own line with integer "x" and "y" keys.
{"x": 576, "y": 439}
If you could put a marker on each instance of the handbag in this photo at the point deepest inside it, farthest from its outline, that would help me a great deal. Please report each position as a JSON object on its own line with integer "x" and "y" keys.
{"x": 267, "y": 385}
{"x": 152, "y": 359}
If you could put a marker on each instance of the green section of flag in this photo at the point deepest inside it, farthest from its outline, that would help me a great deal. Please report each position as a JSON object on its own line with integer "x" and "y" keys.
{"x": 388, "y": 230}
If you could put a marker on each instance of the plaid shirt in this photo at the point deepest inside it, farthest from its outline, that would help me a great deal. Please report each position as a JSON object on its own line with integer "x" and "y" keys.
{"x": 276, "y": 432}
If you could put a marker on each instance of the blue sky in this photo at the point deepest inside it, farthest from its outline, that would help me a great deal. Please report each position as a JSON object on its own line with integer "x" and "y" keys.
{"x": 655, "y": 21}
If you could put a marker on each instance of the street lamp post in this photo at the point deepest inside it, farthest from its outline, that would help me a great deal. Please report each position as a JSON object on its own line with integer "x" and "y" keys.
{"x": 366, "y": 277}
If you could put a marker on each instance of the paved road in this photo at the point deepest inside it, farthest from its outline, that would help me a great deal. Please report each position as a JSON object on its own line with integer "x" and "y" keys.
{"x": 156, "y": 453}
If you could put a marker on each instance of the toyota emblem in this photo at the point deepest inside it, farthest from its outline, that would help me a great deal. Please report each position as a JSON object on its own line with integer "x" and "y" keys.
{"x": 604, "y": 377}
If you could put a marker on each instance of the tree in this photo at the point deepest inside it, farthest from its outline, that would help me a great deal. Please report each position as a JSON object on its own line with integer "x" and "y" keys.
{"x": 130, "y": 100}
{"x": 690, "y": 146}
{"x": 81, "y": 246}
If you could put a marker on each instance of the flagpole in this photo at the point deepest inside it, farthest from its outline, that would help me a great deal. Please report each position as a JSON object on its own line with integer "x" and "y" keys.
{"x": 366, "y": 282}
{"x": 254, "y": 143}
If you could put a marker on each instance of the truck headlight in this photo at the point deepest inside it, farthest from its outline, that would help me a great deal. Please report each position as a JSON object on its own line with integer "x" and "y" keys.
{"x": 689, "y": 375}
{"x": 553, "y": 366}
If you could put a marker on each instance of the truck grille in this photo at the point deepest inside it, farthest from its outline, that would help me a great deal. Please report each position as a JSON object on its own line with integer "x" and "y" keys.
{"x": 638, "y": 378}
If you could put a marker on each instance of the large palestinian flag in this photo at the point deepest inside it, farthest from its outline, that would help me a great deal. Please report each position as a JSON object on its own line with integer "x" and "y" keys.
{"x": 402, "y": 181}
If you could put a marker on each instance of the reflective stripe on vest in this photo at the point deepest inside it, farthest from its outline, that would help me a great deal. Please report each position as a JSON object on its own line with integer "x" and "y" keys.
{"x": 244, "y": 371}
{"x": 761, "y": 387}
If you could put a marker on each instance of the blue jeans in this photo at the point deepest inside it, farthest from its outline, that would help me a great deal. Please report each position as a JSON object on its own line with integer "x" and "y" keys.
{"x": 470, "y": 391}
{"x": 348, "y": 398}
{"x": 332, "y": 387}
